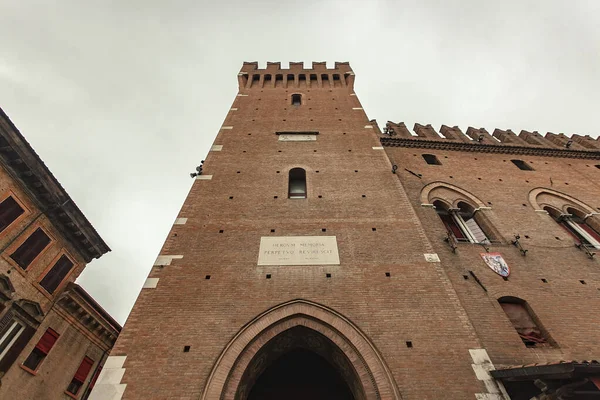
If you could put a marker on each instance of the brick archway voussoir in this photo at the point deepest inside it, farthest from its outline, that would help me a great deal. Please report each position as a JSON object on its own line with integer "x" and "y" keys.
{"x": 374, "y": 375}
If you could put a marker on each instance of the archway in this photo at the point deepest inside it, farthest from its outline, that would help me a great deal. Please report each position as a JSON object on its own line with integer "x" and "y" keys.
{"x": 304, "y": 332}
{"x": 299, "y": 364}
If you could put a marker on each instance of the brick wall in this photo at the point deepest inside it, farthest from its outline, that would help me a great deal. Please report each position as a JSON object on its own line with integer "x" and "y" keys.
{"x": 362, "y": 204}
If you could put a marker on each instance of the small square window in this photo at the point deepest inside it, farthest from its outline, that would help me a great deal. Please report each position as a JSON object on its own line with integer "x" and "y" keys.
{"x": 522, "y": 165}
{"x": 431, "y": 159}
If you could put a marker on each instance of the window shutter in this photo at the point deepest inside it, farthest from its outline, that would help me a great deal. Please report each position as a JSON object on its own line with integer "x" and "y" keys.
{"x": 476, "y": 231}
{"x": 451, "y": 226}
{"x": 84, "y": 369}
{"x": 30, "y": 248}
{"x": 47, "y": 341}
{"x": 16, "y": 349}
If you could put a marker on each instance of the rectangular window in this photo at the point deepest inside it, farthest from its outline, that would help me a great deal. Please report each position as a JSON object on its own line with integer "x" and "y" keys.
{"x": 10, "y": 210}
{"x": 41, "y": 350}
{"x": 57, "y": 274}
{"x": 10, "y": 336}
{"x": 30, "y": 248}
{"x": 14, "y": 336}
{"x": 80, "y": 376}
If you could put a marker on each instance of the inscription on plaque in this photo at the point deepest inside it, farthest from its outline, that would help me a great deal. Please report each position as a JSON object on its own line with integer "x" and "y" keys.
{"x": 298, "y": 250}
{"x": 297, "y": 138}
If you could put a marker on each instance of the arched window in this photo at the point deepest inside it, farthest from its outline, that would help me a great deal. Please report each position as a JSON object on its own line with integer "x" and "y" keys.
{"x": 297, "y": 184}
{"x": 296, "y": 100}
{"x": 522, "y": 165}
{"x": 574, "y": 223}
{"x": 461, "y": 222}
{"x": 431, "y": 159}
{"x": 522, "y": 319}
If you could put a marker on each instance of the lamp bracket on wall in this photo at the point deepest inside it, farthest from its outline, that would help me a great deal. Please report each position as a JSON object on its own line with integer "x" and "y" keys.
{"x": 198, "y": 170}
{"x": 517, "y": 244}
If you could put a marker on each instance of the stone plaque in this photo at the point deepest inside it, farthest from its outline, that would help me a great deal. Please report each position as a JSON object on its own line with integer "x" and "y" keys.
{"x": 298, "y": 250}
{"x": 297, "y": 138}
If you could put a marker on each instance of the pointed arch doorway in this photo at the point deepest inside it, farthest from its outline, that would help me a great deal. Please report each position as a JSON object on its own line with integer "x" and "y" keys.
{"x": 300, "y": 364}
{"x": 300, "y": 350}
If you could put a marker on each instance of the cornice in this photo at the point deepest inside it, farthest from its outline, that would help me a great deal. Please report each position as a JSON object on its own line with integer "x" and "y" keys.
{"x": 488, "y": 148}
{"x": 25, "y": 166}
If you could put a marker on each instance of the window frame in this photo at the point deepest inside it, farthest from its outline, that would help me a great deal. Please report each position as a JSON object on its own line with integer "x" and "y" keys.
{"x": 455, "y": 214}
{"x": 15, "y": 321}
{"x": 292, "y": 103}
{"x": 50, "y": 332}
{"x": 6, "y": 254}
{"x": 21, "y": 203}
{"x": 74, "y": 395}
{"x": 527, "y": 341}
{"x": 59, "y": 287}
{"x": 296, "y": 196}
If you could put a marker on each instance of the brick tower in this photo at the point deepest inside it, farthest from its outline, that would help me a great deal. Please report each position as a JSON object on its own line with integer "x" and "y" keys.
{"x": 305, "y": 264}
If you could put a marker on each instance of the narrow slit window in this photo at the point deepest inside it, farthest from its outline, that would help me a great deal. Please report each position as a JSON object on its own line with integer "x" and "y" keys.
{"x": 431, "y": 159}
{"x": 296, "y": 100}
{"x": 80, "y": 376}
{"x": 523, "y": 321}
{"x": 297, "y": 184}
{"x": 10, "y": 210}
{"x": 31, "y": 248}
{"x": 41, "y": 350}
{"x": 57, "y": 274}
{"x": 522, "y": 165}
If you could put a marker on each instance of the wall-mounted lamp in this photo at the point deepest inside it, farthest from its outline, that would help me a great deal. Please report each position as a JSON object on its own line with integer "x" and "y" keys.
{"x": 568, "y": 144}
{"x": 394, "y": 168}
{"x": 198, "y": 170}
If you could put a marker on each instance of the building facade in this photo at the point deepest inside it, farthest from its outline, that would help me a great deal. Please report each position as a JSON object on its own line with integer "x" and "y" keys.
{"x": 319, "y": 257}
{"x": 54, "y": 338}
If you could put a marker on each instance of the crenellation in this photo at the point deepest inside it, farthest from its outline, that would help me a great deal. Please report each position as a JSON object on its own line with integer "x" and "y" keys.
{"x": 453, "y": 133}
{"x": 399, "y": 129}
{"x": 480, "y": 135}
{"x": 273, "y": 66}
{"x": 586, "y": 141}
{"x": 508, "y": 137}
{"x": 562, "y": 140}
{"x": 426, "y": 131}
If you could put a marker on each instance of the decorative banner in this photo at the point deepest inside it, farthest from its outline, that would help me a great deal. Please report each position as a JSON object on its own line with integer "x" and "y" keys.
{"x": 496, "y": 263}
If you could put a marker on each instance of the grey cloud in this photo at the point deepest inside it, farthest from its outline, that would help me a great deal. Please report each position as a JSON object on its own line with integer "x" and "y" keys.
{"x": 123, "y": 99}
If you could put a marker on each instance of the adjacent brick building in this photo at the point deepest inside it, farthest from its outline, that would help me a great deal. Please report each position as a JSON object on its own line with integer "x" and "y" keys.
{"x": 318, "y": 257}
{"x": 54, "y": 338}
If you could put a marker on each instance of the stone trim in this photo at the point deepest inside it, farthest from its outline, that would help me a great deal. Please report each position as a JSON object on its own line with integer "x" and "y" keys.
{"x": 150, "y": 283}
{"x": 377, "y": 148}
{"x": 166, "y": 260}
{"x": 368, "y": 126}
{"x": 226, "y": 127}
{"x": 216, "y": 147}
{"x": 204, "y": 177}
{"x": 482, "y": 365}
{"x": 109, "y": 386}
{"x": 180, "y": 221}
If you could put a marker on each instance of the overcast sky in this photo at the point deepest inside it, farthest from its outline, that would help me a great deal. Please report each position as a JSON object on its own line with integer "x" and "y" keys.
{"x": 122, "y": 99}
